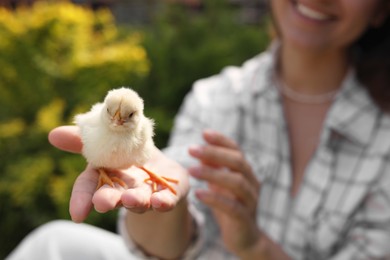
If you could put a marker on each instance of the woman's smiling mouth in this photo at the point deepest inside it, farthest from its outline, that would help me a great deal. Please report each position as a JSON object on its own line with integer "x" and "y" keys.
{"x": 310, "y": 13}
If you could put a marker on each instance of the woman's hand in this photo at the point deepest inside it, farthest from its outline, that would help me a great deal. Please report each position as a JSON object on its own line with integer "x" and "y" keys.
{"x": 137, "y": 198}
{"x": 233, "y": 190}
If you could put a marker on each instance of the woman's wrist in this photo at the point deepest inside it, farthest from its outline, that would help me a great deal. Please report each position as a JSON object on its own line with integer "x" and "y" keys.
{"x": 258, "y": 250}
{"x": 264, "y": 248}
{"x": 174, "y": 227}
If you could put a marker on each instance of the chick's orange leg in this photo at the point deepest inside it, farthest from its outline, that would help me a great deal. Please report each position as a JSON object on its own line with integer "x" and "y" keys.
{"x": 155, "y": 180}
{"x": 105, "y": 179}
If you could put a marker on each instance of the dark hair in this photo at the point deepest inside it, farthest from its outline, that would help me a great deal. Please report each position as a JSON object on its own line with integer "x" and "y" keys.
{"x": 372, "y": 63}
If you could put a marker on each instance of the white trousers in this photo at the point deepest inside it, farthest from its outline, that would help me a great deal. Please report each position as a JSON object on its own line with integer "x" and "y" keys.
{"x": 63, "y": 240}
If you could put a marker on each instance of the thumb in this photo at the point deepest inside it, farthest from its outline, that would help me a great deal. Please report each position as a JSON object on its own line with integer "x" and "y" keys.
{"x": 83, "y": 190}
{"x": 66, "y": 138}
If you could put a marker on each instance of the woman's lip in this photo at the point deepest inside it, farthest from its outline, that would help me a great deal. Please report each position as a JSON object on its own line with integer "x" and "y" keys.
{"x": 310, "y": 13}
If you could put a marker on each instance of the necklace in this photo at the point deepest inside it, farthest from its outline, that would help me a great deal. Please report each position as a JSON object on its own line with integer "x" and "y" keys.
{"x": 305, "y": 98}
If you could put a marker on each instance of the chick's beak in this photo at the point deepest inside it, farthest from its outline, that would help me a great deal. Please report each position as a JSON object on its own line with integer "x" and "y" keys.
{"x": 117, "y": 118}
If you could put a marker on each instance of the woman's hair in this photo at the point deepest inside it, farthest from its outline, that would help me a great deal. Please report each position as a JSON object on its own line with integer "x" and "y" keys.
{"x": 371, "y": 56}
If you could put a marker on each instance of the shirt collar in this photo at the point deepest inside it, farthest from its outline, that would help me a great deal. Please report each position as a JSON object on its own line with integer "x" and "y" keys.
{"x": 353, "y": 115}
{"x": 260, "y": 76}
{"x": 265, "y": 71}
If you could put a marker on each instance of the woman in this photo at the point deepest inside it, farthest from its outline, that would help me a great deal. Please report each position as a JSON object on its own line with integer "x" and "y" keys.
{"x": 296, "y": 166}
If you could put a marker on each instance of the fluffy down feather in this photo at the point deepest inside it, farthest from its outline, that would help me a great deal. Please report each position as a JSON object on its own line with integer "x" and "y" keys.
{"x": 115, "y": 133}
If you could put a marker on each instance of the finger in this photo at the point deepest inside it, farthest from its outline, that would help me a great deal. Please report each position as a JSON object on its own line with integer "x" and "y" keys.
{"x": 137, "y": 199}
{"x": 223, "y": 157}
{"x": 66, "y": 138}
{"x": 222, "y": 203}
{"x": 233, "y": 182}
{"x": 218, "y": 139}
{"x": 164, "y": 200}
{"x": 107, "y": 198}
{"x": 237, "y": 160}
{"x": 81, "y": 198}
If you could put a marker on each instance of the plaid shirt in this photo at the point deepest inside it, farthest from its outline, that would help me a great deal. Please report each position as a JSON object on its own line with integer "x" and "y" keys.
{"x": 342, "y": 210}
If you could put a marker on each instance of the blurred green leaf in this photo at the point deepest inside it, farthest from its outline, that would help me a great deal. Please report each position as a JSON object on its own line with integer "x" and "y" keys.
{"x": 56, "y": 58}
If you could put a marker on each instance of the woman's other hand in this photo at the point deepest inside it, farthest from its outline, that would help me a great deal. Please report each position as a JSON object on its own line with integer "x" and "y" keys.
{"x": 233, "y": 190}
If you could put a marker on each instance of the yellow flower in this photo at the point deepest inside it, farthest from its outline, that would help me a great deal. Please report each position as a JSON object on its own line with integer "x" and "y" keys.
{"x": 12, "y": 128}
{"x": 50, "y": 116}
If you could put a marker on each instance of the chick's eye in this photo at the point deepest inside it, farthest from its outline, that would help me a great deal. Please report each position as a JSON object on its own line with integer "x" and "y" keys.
{"x": 131, "y": 115}
{"x": 108, "y": 111}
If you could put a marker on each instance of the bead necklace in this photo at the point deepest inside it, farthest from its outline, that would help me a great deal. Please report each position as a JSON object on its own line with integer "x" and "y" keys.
{"x": 305, "y": 98}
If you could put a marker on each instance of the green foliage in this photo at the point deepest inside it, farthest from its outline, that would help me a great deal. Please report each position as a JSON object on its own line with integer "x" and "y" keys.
{"x": 57, "y": 59}
{"x": 185, "y": 45}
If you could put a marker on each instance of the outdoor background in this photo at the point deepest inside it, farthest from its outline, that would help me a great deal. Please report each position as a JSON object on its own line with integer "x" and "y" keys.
{"x": 57, "y": 58}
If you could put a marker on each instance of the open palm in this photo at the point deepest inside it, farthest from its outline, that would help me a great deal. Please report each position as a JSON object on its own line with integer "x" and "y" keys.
{"x": 138, "y": 197}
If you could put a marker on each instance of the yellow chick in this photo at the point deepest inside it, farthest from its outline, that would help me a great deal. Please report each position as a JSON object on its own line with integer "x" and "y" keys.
{"x": 117, "y": 135}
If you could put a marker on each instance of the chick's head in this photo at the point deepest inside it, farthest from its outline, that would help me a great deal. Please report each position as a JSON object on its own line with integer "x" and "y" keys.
{"x": 123, "y": 109}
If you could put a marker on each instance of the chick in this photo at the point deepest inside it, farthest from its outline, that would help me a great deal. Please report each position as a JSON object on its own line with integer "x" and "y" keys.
{"x": 117, "y": 135}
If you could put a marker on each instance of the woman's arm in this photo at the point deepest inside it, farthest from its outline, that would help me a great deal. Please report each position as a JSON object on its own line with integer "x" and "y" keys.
{"x": 165, "y": 227}
{"x": 165, "y": 231}
{"x": 166, "y": 235}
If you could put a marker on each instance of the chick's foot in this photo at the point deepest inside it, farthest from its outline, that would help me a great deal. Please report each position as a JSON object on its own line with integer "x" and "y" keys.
{"x": 110, "y": 180}
{"x": 154, "y": 180}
